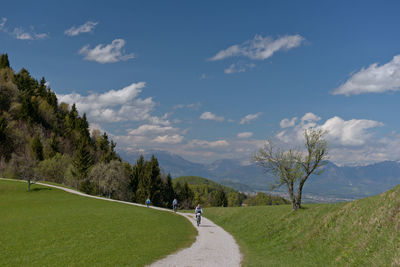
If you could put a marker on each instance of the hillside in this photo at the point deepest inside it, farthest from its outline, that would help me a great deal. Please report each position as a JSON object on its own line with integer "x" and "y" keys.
{"x": 198, "y": 181}
{"x": 49, "y": 227}
{"x": 364, "y": 232}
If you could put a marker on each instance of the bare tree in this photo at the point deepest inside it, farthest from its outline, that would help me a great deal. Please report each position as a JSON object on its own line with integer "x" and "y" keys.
{"x": 293, "y": 167}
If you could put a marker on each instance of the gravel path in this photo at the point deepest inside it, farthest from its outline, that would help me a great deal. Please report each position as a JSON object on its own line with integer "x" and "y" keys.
{"x": 213, "y": 245}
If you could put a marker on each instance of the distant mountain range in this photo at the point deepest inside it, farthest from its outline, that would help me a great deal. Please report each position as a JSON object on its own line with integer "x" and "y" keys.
{"x": 336, "y": 183}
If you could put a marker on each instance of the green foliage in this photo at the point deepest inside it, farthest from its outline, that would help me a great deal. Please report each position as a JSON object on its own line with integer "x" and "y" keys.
{"x": 37, "y": 148}
{"x": 53, "y": 169}
{"x": 50, "y": 227}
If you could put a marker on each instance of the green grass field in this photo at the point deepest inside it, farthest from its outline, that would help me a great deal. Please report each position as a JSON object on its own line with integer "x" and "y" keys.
{"x": 359, "y": 233}
{"x": 49, "y": 227}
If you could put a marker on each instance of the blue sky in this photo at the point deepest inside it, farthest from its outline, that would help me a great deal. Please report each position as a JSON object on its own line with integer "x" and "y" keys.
{"x": 213, "y": 79}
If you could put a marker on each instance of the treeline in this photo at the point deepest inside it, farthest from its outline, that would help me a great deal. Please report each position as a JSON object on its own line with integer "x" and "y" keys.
{"x": 210, "y": 194}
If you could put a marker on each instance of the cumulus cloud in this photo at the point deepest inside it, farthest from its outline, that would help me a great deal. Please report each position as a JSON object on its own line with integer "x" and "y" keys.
{"x": 245, "y": 135}
{"x": 285, "y": 123}
{"x": 260, "y": 48}
{"x": 374, "y": 79}
{"x": 354, "y": 132}
{"x": 114, "y": 105}
{"x": 169, "y": 139}
{"x": 84, "y": 28}
{"x": 110, "y": 53}
{"x": 249, "y": 118}
{"x": 210, "y": 116}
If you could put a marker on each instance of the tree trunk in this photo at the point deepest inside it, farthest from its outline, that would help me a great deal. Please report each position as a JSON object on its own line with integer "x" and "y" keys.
{"x": 299, "y": 194}
{"x": 292, "y": 197}
{"x": 29, "y": 184}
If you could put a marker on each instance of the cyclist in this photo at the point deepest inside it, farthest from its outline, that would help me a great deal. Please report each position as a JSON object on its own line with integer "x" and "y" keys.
{"x": 198, "y": 212}
{"x": 175, "y": 204}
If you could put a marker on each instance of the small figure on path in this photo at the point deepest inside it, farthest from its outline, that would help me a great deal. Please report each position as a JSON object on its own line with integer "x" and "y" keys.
{"x": 175, "y": 204}
{"x": 148, "y": 202}
{"x": 198, "y": 211}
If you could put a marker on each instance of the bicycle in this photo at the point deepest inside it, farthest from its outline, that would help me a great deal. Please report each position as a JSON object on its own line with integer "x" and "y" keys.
{"x": 198, "y": 219}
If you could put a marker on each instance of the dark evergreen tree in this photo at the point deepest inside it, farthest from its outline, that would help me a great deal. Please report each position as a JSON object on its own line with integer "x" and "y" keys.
{"x": 156, "y": 182}
{"x": 4, "y": 63}
{"x": 144, "y": 181}
{"x": 37, "y": 148}
{"x": 220, "y": 198}
{"x": 168, "y": 192}
{"x": 82, "y": 162}
{"x": 6, "y": 143}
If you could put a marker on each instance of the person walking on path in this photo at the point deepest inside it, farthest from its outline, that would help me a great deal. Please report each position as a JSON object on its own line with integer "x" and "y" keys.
{"x": 148, "y": 202}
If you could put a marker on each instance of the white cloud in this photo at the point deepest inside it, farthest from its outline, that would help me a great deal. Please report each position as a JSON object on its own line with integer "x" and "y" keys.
{"x": 203, "y": 76}
{"x": 21, "y": 34}
{"x": 148, "y": 129}
{"x": 286, "y": 123}
{"x": 374, "y": 79}
{"x": 260, "y": 48}
{"x": 210, "y": 116}
{"x": 237, "y": 68}
{"x": 250, "y": 117}
{"x": 208, "y": 144}
{"x": 352, "y": 132}
{"x": 310, "y": 117}
{"x": 245, "y": 135}
{"x": 3, "y": 23}
{"x": 114, "y": 105}
{"x": 84, "y": 28}
{"x": 110, "y": 53}
{"x": 169, "y": 139}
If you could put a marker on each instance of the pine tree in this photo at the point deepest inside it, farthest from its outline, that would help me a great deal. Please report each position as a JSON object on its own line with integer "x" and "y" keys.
{"x": 144, "y": 181}
{"x": 4, "y": 63}
{"x": 37, "y": 148}
{"x": 82, "y": 162}
{"x": 156, "y": 182}
{"x": 168, "y": 192}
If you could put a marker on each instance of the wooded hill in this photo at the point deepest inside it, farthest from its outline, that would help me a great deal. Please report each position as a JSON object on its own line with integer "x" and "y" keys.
{"x": 41, "y": 139}
{"x": 211, "y": 194}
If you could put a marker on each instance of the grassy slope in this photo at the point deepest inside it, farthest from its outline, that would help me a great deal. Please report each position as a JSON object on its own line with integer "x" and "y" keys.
{"x": 360, "y": 233}
{"x": 196, "y": 180}
{"x": 49, "y": 227}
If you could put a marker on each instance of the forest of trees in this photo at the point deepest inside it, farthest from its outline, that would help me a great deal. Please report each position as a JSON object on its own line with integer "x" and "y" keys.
{"x": 41, "y": 139}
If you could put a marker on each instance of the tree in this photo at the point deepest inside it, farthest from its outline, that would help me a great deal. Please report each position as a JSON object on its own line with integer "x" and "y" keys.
{"x": 37, "y": 148}
{"x": 168, "y": 192}
{"x": 220, "y": 198}
{"x": 82, "y": 162}
{"x": 4, "y": 61}
{"x": 293, "y": 167}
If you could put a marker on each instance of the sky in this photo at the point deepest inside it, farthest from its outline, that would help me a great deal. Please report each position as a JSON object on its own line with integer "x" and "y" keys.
{"x": 210, "y": 80}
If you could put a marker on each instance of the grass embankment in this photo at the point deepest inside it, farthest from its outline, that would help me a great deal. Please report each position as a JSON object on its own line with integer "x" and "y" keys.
{"x": 365, "y": 232}
{"x": 49, "y": 227}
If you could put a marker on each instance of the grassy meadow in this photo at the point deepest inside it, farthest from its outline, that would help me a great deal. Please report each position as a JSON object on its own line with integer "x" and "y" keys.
{"x": 49, "y": 227}
{"x": 365, "y": 232}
